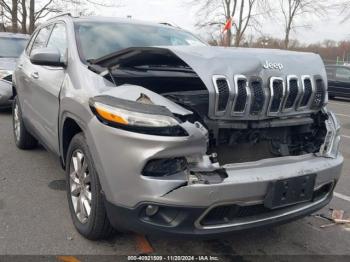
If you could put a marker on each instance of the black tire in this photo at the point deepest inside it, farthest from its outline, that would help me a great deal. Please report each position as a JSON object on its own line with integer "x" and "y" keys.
{"x": 97, "y": 225}
{"x": 23, "y": 139}
{"x": 331, "y": 96}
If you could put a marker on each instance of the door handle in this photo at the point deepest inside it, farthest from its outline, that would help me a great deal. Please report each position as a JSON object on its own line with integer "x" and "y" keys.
{"x": 35, "y": 75}
{"x": 20, "y": 66}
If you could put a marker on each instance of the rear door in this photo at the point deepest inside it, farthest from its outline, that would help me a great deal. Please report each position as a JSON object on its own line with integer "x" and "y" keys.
{"x": 25, "y": 80}
{"x": 342, "y": 81}
{"x": 44, "y": 89}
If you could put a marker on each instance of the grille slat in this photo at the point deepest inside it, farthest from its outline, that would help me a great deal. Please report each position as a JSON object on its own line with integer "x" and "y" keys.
{"x": 292, "y": 94}
{"x": 277, "y": 88}
{"x": 320, "y": 95}
{"x": 258, "y": 97}
{"x": 307, "y": 92}
{"x": 242, "y": 96}
{"x": 223, "y": 93}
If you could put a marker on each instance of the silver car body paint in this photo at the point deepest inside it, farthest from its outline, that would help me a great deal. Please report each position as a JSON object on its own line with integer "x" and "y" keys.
{"x": 119, "y": 155}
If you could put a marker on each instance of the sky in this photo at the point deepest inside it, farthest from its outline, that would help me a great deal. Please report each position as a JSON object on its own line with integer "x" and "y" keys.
{"x": 181, "y": 13}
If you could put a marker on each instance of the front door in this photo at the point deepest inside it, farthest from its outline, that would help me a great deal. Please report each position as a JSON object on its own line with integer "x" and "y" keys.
{"x": 43, "y": 90}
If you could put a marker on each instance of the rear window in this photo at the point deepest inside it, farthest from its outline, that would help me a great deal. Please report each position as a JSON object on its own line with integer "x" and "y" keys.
{"x": 12, "y": 47}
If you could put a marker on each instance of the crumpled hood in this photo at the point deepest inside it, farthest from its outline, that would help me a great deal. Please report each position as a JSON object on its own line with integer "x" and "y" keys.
{"x": 8, "y": 63}
{"x": 208, "y": 61}
{"x": 258, "y": 66}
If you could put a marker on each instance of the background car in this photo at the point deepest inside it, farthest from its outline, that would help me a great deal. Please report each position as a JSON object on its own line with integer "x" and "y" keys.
{"x": 11, "y": 47}
{"x": 338, "y": 80}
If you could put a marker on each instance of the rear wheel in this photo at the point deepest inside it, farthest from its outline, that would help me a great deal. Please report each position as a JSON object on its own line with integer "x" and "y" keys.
{"x": 85, "y": 200}
{"x": 23, "y": 139}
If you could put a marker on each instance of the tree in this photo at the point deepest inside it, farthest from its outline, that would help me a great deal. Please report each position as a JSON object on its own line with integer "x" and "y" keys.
{"x": 244, "y": 14}
{"x": 24, "y": 17}
{"x": 344, "y": 7}
{"x": 18, "y": 12}
{"x": 31, "y": 16}
{"x": 293, "y": 9}
{"x": 9, "y": 11}
{"x": 14, "y": 13}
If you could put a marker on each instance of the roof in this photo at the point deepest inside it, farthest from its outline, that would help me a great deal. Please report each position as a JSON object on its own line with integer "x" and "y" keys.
{"x": 111, "y": 19}
{"x": 14, "y": 35}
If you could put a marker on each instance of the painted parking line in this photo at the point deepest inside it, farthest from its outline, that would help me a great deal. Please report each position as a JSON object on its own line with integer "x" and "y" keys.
{"x": 143, "y": 246}
{"x": 341, "y": 196}
{"x": 348, "y": 137}
{"x": 67, "y": 259}
{"x": 343, "y": 115}
{"x": 338, "y": 103}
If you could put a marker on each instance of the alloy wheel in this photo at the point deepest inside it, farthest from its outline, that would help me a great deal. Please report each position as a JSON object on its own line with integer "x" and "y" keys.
{"x": 17, "y": 122}
{"x": 80, "y": 186}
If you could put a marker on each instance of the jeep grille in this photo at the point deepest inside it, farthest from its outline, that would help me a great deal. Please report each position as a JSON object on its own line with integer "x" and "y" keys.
{"x": 251, "y": 98}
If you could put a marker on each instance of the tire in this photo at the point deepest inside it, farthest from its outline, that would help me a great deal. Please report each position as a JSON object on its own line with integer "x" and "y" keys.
{"x": 85, "y": 200}
{"x": 23, "y": 139}
{"x": 331, "y": 96}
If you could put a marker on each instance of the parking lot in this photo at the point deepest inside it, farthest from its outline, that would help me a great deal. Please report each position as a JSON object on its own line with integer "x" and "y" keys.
{"x": 34, "y": 216}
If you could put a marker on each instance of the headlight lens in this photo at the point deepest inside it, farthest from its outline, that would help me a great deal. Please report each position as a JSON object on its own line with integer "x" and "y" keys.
{"x": 5, "y": 73}
{"x": 126, "y": 117}
{"x": 136, "y": 117}
{"x": 330, "y": 148}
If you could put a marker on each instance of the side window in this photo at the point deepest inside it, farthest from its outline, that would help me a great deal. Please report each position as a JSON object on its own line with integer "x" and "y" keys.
{"x": 343, "y": 73}
{"x": 41, "y": 38}
{"x": 330, "y": 72}
{"x": 58, "y": 39}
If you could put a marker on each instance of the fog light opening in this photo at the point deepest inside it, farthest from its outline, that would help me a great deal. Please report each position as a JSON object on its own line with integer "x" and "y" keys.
{"x": 164, "y": 167}
{"x": 151, "y": 210}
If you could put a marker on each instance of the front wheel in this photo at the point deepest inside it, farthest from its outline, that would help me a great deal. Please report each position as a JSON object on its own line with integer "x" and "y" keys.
{"x": 23, "y": 139}
{"x": 85, "y": 200}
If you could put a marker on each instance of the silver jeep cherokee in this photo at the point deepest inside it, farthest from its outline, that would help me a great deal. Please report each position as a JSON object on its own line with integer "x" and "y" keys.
{"x": 160, "y": 133}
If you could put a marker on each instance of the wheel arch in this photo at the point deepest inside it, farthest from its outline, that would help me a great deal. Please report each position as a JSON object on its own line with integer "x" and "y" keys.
{"x": 71, "y": 125}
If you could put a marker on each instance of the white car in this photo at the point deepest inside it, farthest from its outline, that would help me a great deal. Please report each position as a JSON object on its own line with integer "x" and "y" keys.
{"x": 11, "y": 47}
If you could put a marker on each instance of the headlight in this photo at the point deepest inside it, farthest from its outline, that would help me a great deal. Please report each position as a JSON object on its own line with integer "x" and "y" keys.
{"x": 136, "y": 117}
{"x": 126, "y": 117}
{"x": 5, "y": 73}
{"x": 330, "y": 147}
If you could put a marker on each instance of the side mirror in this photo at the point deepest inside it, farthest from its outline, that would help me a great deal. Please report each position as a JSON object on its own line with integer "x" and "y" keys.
{"x": 47, "y": 57}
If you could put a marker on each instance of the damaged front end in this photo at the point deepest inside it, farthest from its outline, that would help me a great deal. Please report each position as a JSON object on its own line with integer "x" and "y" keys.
{"x": 197, "y": 145}
{"x": 246, "y": 118}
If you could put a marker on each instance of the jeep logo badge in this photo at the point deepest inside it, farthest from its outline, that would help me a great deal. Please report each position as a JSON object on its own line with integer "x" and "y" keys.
{"x": 269, "y": 65}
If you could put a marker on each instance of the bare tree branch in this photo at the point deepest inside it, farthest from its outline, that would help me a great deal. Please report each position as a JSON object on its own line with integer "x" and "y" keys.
{"x": 244, "y": 15}
{"x": 293, "y": 9}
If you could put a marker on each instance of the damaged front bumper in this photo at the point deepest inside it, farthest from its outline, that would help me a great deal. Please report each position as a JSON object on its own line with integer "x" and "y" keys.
{"x": 182, "y": 205}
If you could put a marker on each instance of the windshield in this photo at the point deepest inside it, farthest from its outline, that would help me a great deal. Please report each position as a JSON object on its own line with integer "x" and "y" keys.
{"x": 11, "y": 47}
{"x": 96, "y": 40}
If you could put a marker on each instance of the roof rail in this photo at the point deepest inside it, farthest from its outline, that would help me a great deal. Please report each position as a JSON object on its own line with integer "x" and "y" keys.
{"x": 169, "y": 24}
{"x": 166, "y": 23}
{"x": 59, "y": 15}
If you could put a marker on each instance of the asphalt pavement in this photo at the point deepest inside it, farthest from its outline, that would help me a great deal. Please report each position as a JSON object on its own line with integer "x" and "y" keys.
{"x": 34, "y": 215}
